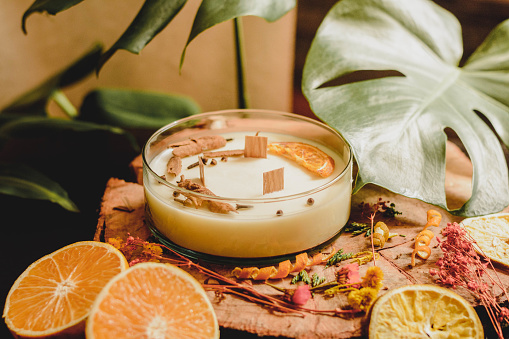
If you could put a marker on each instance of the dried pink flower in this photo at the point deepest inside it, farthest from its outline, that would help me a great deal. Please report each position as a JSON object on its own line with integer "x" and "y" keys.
{"x": 349, "y": 274}
{"x": 461, "y": 266}
{"x": 503, "y": 315}
{"x": 301, "y": 295}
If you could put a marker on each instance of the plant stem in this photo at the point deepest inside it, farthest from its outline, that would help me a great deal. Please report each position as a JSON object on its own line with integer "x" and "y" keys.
{"x": 372, "y": 218}
{"x": 240, "y": 62}
{"x": 64, "y": 103}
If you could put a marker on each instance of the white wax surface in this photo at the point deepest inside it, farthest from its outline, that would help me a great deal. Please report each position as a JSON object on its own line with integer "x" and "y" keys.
{"x": 258, "y": 231}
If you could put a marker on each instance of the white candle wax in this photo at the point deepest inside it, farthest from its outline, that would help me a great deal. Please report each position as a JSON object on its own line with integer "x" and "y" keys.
{"x": 257, "y": 231}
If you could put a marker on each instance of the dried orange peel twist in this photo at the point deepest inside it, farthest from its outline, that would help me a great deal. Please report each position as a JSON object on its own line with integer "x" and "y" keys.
{"x": 308, "y": 156}
{"x": 380, "y": 234}
{"x": 424, "y": 237}
{"x": 286, "y": 267}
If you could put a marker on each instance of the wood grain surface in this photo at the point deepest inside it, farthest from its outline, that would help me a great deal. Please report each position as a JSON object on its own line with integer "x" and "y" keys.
{"x": 122, "y": 213}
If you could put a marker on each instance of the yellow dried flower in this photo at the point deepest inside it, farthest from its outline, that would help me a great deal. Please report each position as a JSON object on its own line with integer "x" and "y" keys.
{"x": 368, "y": 256}
{"x": 116, "y": 242}
{"x": 153, "y": 249}
{"x": 374, "y": 278}
{"x": 362, "y": 299}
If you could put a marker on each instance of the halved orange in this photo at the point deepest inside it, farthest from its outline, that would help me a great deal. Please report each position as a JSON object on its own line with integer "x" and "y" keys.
{"x": 53, "y": 296}
{"x": 308, "y": 156}
{"x": 423, "y": 311}
{"x": 152, "y": 300}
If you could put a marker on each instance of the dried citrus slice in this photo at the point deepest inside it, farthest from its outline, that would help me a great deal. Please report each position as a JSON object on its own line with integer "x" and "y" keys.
{"x": 54, "y": 295}
{"x": 152, "y": 300}
{"x": 491, "y": 233}
{"x": 423, "y": 311}
{"x": 308, "y": 156}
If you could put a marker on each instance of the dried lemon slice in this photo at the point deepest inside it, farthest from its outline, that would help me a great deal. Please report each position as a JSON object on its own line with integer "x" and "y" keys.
{"x": 423, "y": 311}
{"x": 491, "y": 233}
{"x": 308, "y": 156}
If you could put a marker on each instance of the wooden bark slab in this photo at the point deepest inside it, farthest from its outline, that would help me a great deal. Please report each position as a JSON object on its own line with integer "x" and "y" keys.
{"x": 122, "y": 212}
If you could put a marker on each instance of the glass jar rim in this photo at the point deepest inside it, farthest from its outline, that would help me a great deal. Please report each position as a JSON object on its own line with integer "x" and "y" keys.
{"x": 247, "y": 201}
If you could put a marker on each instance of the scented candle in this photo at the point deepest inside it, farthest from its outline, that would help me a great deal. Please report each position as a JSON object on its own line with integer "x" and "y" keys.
{"x": 307, "y": 212}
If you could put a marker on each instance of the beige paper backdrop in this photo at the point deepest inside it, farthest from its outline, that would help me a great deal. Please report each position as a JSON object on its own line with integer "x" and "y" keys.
{"x": 208, "y": 75}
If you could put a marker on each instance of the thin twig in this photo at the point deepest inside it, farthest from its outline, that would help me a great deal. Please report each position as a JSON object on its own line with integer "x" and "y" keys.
{"x": 372, "y": 218}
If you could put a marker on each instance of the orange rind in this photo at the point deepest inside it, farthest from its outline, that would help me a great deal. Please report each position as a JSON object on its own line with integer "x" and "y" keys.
{"x": 302, "y": 261}
{"x": 54, "y": 295}
{"x": 424, "y": 237}
{"x": 152, "y": 300}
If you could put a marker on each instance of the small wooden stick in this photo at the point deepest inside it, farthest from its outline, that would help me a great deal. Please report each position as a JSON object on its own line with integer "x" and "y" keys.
{"x": 202, "y": 170}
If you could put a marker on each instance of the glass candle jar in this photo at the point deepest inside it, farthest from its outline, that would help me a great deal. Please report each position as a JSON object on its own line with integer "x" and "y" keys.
{"x": 307, "y": 212}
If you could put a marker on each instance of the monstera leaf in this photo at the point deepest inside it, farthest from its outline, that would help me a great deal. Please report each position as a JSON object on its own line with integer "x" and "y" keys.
{"x": 395, "y": 124}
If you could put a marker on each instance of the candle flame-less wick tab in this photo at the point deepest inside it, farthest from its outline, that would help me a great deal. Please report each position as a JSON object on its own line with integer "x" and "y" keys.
{"x": 274, "y": 180}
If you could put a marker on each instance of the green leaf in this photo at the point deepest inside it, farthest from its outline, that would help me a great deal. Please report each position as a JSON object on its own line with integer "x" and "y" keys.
{"x": 395, "y": 124}
{"x": 25, "y": 182}
{"x": 213, "y": 12}
{"x": 135, "y": 109}
{"x": 152, "y": 18}
{"x": 35, "y": 100}
{"x": 40, "y": 127}
{"x": 49, "y": 6}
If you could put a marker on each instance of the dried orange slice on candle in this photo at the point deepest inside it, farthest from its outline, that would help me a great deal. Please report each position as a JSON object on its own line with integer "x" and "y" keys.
{"x": 152, "y": 300}
{"x": 308, "y": 156}
{"x": 54, "y": 295}
{"x": 423, "y": 311}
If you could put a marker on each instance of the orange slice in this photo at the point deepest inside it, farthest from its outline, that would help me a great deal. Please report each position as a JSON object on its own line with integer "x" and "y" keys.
{"x": 308, "y": 156}
{"x": 54, "y": 295}
{"x": 152, "y": 300}
{"x": 491, "y": 233}
{"x": 423, "y": 311}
